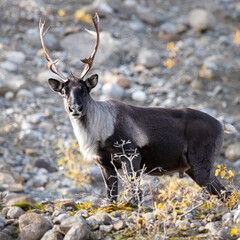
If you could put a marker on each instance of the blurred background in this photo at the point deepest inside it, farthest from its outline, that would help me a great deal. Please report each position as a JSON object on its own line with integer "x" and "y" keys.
{"x": 163, "y": 53}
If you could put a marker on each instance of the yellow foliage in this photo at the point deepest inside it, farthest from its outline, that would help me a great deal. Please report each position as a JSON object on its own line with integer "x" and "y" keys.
{"x": 206, "y": 73}
{"x": 61, "y": 12}
{"x": 171, "y": 47}
{"x": 71, "y": 160}
{"x": 82, "y": 16}
{"x": 222, "y": 170}
{"x": 235, "y": 231}
{"x": 169, "y": 63}
{"x": 236, "y": 39}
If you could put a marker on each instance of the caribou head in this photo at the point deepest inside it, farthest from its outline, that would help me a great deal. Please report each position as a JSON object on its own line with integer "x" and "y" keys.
{"x": 74, "y": 90}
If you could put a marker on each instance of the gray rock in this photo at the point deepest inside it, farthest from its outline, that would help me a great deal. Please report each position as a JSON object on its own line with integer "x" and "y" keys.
{"x": 119, "y": 225}
{"x": 60, "y": 218}
{"x": 82, "y": 44}
{"x": 15, "y": 82}
{"x": 34, "y": 41}
{"x": 79, "y": 231}
{"x": 113, "y": 90}
{"x": 33, "y": 226}
{"x": 20, "y": 199}
{"x": 16, "y": 57}
{"x": 233, "y": 151}
{"x": 149, "y": 217}
{"x": 4, "y": 236}
{"x": 106, "y": 228}
{"x": 139, "y": 96}
{"x": 100, "y": 218}
{"x": 72, "y": 220}
{"x": 9, "y": 66}
{"x": 169, "y": 28}
{"x": 39, "y": 91}
{"x": 182, "y": 224}
{"x": 102, "y": 7}
{"x": 44, "y": 75}
{"x": 236, "y": 218}
{"x": 35, "y": 117}
{"x": 200, "y": 19}
{"x": 227, "y": 218}
{"x": 15, "y": 212}
{"x": 3, "y": 88}
{"x": 147, "y": 16}
{"x": 82, "y": 213}
{"x": 120, "y": 80}
{"x": 44, "y": 163}
{"x": 62, "y": 229}
{"x": 213, "y": 227}
{"x": 9, "y": 95}
{"x": 57, "y": 212}
{"x": 52, "y": 235}
{"x": 136, "y": 26}
{"x": 237, "y": 164}
{"x": 24, "y": 94}
{"x": 6, "y": 178}
{"x": 148, "y": 58}
{"x": 2, "y": 221}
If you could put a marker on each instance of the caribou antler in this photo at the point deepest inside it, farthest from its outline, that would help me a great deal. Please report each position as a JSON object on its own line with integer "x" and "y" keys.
{"x": 89, "y": 61}
{"x": 51, "y": 64}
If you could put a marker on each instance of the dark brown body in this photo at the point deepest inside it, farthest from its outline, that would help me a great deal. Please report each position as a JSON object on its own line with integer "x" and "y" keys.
{"x": 178, "y": 140}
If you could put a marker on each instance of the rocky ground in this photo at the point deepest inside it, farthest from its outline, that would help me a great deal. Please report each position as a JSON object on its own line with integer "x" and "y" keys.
{"x": 162, "y": 53}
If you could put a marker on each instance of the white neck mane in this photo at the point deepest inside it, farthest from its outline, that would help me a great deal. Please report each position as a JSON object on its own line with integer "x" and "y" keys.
{"x": 101, "y": 118}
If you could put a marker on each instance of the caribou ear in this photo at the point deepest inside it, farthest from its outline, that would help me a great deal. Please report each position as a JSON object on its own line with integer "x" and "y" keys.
{"x": 55, "y": 85}
{"x": 92, "y": 81}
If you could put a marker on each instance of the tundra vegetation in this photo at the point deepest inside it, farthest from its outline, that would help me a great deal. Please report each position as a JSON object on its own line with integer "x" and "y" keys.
{"x": 154, "y": 53}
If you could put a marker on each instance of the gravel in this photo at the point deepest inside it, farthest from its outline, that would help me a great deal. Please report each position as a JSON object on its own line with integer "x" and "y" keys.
{"x": 35, "y": 132}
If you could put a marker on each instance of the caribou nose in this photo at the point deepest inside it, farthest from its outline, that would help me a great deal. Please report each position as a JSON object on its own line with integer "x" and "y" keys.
{"x": 75, "y": 108}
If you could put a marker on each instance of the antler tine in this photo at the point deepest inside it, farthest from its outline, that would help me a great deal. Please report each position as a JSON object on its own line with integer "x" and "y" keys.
{"x": 51, "y": 64}
{"x": 89, "y": 61}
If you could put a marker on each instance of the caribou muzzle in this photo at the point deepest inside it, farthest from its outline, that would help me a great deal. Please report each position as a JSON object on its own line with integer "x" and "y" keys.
{"x": 75, "y": 110}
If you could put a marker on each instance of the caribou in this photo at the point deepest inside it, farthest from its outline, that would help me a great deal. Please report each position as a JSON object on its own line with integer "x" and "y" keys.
{"x": 173, "y": 140}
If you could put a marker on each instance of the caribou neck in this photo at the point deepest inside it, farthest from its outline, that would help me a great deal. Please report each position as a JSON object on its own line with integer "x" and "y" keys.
{"x": 94, "y": 127}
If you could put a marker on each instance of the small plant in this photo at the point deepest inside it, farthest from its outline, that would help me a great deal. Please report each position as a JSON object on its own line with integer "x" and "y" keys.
{"x": 72, "y": 161}
{"x": 236, "y": 36}
{"x": 171, "y": 60}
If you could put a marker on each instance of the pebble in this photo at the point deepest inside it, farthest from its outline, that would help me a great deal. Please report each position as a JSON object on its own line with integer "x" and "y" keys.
{"x": 233, "y": 151}
{"x": 16, "y": 57}
{"x": 201, "y": 19}
{"x": 106, "y": 228}
{"x": 9, "y": 95}
{"x": 112, "y": 90}
{"x": 20, "y": 199}
{"x": 139, "y": 96}
{"x": 52, "y": 235}
{"x": 147, "y": 16}
{"x": 108, "y": 51}
{"x": 122, "y": 81}
{"x": 4, "y": 236}
{"x": 213, "y": 227}
{"x": 136, "y": 26}
{"x": 79, "y": 231}
{"x": 30, "y": 222}
{"x": 119, "y": 225}
{"x": 130, "y": 55}
{"x": 24, "y": 94}
{"x": 100, "y": 218}
{"x": 148, "y": 58}
{"x": 2, "y": 221}
{"x": 9, "y": 66}
{"x": 6, "y": 178}
{"x": 14, "y": 212}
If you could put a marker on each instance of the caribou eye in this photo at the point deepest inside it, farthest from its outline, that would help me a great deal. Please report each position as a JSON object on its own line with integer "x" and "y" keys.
{"x": 63, "y": 92}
